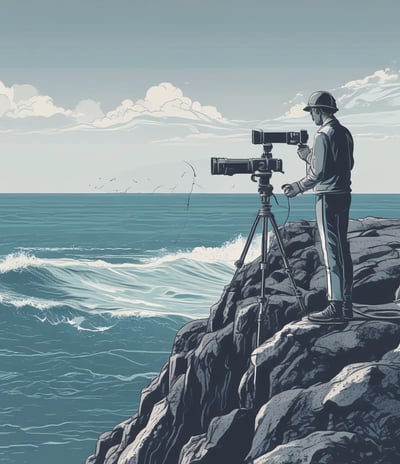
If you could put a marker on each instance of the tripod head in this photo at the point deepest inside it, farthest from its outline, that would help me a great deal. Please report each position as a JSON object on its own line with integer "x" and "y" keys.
{"x": 263, "y": 175}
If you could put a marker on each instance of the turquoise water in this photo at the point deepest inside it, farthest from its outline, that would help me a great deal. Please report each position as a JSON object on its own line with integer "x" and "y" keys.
{"x": 92, "y": 291}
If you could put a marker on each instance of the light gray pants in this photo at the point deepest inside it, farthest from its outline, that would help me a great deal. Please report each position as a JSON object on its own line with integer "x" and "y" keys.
{"x": 332, "y": 213}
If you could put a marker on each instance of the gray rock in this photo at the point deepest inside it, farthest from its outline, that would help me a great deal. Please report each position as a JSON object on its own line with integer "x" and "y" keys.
{"x": 309, "y": 394}
{"x": 211, "y": 380}
{"x": 227, "y": 440}
{"x": 363, "y": 399}
{"x": 186, "y": 340}
{"x": 157, "y": 442}
{"x": 303, "y": 354}
{"x": 157, "y": 389}
{"x": 322, "y": 448}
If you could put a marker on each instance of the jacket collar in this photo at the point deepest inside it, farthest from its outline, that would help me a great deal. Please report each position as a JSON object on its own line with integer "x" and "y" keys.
{"x": 328, "y": 122}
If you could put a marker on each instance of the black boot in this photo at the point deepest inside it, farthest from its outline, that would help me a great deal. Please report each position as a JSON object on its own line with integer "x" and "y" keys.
{"x": 330, "y": 315}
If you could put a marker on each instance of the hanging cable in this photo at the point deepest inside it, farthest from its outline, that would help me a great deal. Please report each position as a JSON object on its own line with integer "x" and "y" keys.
{"x": 192, "y": 186}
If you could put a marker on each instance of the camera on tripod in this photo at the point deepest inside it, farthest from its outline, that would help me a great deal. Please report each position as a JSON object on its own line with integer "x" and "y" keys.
{"x": 231, "y": 166}
{"x": 261, "y": 170}
{"x": 264, "y": 165}
{"x": 291, "y": 138}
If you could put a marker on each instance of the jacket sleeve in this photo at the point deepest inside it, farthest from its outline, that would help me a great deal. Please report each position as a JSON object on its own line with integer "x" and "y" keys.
{"x": 350, "y": 148}
{"x": 315, "y": 163}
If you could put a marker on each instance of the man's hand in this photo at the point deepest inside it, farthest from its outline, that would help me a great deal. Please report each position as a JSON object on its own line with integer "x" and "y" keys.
{"x": 303, "y": 151}
{"x": 291, "y": 190}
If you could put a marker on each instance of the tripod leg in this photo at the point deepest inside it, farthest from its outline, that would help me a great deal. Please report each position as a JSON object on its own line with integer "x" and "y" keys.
{"x": 262, "y": 299}
{"x": 287, "y": 266}
{"x": 263, "y": 267}
{"x": 239, "y": 263}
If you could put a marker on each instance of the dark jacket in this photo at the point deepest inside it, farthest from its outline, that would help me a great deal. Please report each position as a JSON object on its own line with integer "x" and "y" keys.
{"x": 331, "y": 160}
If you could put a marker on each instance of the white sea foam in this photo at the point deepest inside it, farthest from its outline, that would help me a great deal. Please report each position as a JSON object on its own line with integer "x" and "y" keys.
{"x": 166, "y": 284}
{"x": 19, "y": 261}
{"x": 76, "y": 322}
{"x": 102, "y": 287}
{"x": 227, "y": 254}
{"x": 28, "y": 301}
{"x": 74, "y": 249}
{"x": 142, "y": 313}
{"x": 120, "y": 299}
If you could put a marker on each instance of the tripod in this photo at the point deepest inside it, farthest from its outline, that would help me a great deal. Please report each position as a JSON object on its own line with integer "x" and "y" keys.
{"x": 265, "y": 213}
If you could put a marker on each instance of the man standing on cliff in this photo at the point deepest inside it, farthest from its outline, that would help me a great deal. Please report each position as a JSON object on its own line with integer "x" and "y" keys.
{"x": 329, "y": 165}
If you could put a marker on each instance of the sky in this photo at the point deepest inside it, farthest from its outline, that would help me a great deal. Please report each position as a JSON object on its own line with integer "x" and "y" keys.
{"x": 128, "y": 96}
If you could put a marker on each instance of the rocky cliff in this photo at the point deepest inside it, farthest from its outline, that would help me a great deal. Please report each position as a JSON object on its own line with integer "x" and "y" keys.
{"x": 321, "y": 394}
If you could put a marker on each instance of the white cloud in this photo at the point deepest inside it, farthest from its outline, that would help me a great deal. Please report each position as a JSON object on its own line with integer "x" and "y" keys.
{"x": 6, "y": 91}
{"x": 166, "y": 105}
{"x": 369, "y": 105}
{"x": 162, "y": 94}
{"x": 299, "y": 95}
{"x": 295, "y": 112}
{"x": 382, "y": 76}
{"x": 377, "y": 92}
{"x": 39, "y": 105}
{"x": 205, "y": 137}
{"x": 5, "y": 104}
{"x": 23, "y": 101}
{"x": 161, "y": 101}
{"x": 23, "y": 92}
{"x": 123, "y": 114}
{"x": 162, "y": 104}
{"x": 87, "y": 111}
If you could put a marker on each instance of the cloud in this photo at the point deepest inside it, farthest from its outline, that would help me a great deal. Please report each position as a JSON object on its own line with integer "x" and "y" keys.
{"x": 23, "y": 92}
{"x": 39, "y": 105}
{"x": 295, "y": 112}
{"x": 5, "y": 104}
{"x": 205, "y": 137}
{"x": 379, "y": 91}
{"x": 161, "y": 101}
{"x": 371, "y": 105}
{"x": 162, "y": 105}
{"x": 24, "y": 101}
{"x": 166, "y": 100}
{"x": 87, "y": 111}
{"x": 122, "y": 114}
{"x": 379, "y": 77}
{"x": 6, "y": 91}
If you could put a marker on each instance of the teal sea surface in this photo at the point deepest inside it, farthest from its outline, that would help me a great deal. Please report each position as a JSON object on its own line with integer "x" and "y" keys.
{"x": 93, "y": 289}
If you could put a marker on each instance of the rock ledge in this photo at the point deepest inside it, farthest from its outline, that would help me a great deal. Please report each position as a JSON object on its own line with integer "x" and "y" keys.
{"x": 322, "y": 393}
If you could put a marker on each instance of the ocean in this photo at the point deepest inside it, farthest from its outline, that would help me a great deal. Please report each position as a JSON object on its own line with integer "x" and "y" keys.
{"x": 93, "y": 289}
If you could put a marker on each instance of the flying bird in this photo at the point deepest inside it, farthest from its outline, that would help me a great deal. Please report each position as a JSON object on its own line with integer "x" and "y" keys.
{"x": 158, "y": 187}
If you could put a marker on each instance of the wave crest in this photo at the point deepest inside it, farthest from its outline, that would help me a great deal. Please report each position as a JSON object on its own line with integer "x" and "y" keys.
{"x": 227, "y": 253}
{"x": 18, "y": 261}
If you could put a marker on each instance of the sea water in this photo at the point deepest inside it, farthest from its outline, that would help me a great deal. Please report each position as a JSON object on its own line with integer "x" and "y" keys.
{"x": 93, "y": 289}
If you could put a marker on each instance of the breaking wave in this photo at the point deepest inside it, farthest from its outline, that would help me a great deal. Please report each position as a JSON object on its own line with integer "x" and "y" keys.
{"x": 156, "y": 284}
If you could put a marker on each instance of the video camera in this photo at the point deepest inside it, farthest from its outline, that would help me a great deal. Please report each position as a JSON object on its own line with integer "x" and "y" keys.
{"x": 230, "y": 166}
{"x": 266, "y": 164}
{"x": 291, "y": 138}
